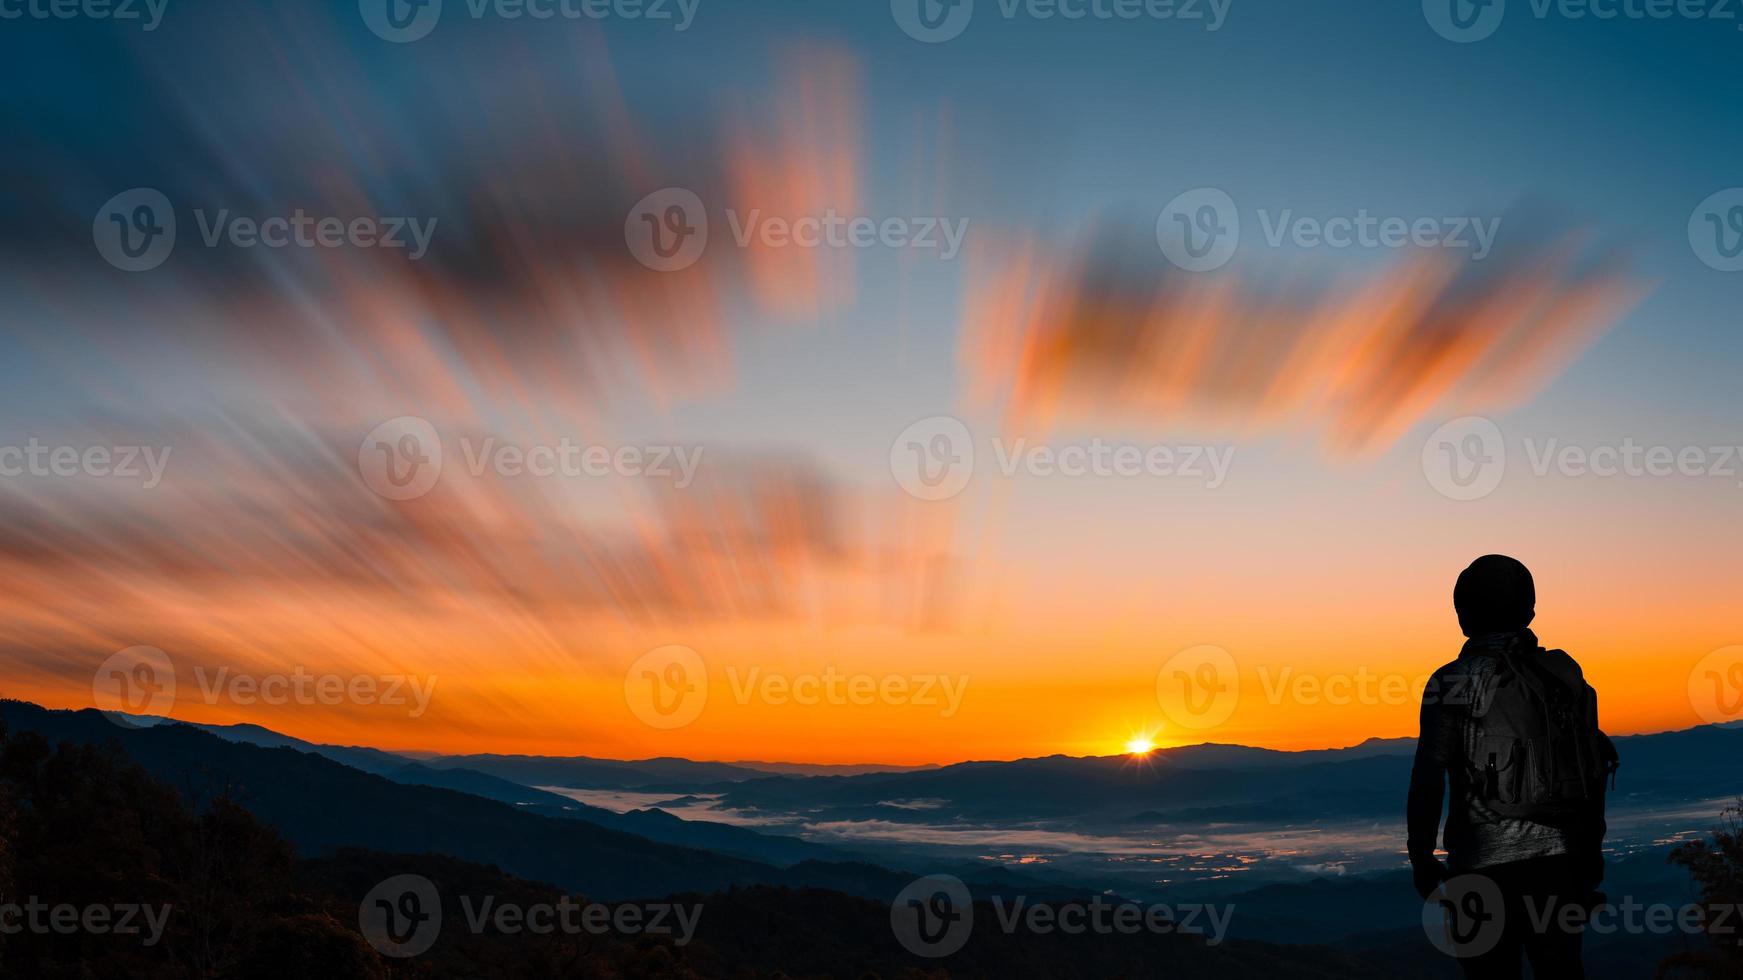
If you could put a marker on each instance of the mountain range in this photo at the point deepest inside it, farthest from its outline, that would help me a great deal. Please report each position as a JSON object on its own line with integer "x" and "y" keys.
{"x": 331, "y": 800}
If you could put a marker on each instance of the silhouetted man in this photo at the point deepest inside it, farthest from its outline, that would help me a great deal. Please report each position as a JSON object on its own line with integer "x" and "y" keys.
{"x": 1513, "y": 729}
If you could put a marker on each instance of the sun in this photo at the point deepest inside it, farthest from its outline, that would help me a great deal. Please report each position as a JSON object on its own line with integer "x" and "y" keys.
{"x": 1140, "y": 745}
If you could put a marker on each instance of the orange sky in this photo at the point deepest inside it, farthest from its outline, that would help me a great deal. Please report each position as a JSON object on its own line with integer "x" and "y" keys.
{"x": 1037, "y": 611}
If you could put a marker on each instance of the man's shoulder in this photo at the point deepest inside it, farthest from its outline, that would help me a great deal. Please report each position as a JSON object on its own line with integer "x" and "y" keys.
{"x": 1563, "y": 667}
{"x": 1464, "y": 667}
{"x": 1459, "y": 683}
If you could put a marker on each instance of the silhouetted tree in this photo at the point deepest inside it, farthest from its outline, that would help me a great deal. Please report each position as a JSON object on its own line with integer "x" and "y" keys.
{"x": 8, "y": 831}
{"x": 1717, "y": 868}
{"x": 310, "y": 944}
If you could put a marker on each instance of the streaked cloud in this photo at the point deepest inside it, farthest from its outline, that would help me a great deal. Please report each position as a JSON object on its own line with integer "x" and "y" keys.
{"x": 1106, "y": 332}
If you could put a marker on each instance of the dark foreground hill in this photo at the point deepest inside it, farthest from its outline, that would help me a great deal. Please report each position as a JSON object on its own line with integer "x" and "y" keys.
{"x": 83, "y": 826}
{"x": 321, "y": 806}
{"x": 653, "y": 824}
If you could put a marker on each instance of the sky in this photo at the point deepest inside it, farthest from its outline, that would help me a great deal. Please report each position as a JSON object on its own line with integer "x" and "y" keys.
{"x": 1252, "y": 460}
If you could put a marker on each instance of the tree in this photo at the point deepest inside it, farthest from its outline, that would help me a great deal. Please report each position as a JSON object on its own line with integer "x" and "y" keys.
{"x": 1717, "y": 868}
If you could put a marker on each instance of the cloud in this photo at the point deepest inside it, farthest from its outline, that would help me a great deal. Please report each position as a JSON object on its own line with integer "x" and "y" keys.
{"x": 1105, "y": 332}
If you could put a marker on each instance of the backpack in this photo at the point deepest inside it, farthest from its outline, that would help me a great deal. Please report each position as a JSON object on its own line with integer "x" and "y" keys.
{"x": 1539, "y": 753}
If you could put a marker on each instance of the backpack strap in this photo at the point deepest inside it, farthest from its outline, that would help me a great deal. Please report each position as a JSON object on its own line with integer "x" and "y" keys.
{"x": 1532, "y": 675}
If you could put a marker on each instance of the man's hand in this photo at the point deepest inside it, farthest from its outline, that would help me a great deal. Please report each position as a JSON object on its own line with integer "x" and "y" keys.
{"x": 1589, "y": 864}
{"x": 1427, "y": 876}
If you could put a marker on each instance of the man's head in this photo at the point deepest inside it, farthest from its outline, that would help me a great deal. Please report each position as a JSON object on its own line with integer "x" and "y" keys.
{"x": 1495, "y": 595}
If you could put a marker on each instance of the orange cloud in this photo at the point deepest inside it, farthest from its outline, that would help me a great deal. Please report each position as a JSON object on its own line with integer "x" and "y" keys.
{"x": 1105, "y": 333}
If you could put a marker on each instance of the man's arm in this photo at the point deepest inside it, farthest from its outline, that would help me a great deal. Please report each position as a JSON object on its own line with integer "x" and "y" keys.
{"x": 1588, "y": 845}
{"x": 1427, "y": 792}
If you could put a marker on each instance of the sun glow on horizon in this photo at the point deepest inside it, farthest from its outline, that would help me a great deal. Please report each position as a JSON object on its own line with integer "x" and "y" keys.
{"x": 1140, "y": 745}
